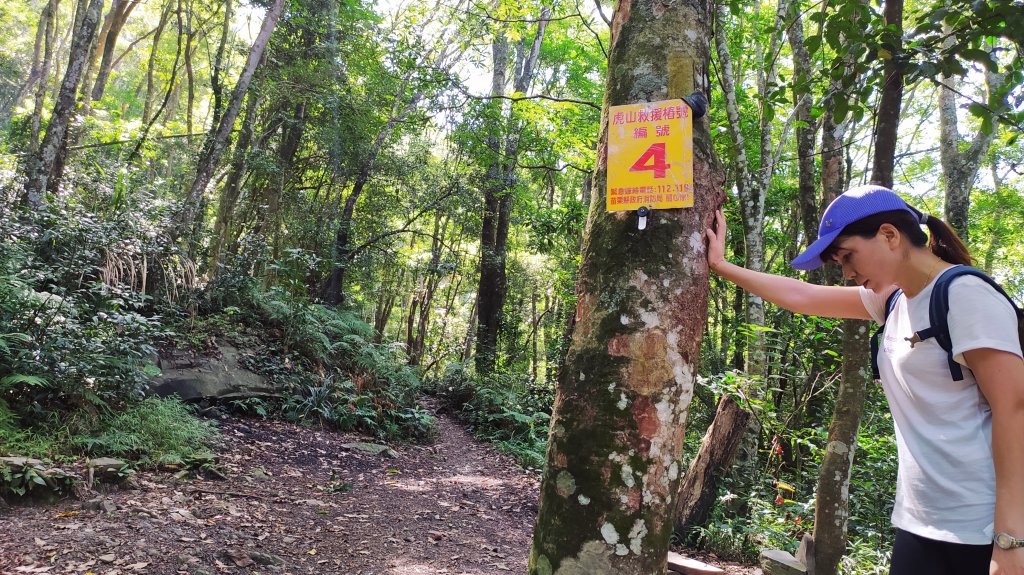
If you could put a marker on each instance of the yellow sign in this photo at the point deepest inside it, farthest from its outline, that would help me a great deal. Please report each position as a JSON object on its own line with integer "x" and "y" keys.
{"x": 650, "y": 156}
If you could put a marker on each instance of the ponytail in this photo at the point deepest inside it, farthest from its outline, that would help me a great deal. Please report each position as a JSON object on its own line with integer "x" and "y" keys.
{"x": 945, "y": 243}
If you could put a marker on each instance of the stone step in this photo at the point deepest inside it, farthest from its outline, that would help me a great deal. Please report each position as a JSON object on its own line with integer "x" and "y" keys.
{"x": 685, "y": 566}
{"x": 779, "y": 562}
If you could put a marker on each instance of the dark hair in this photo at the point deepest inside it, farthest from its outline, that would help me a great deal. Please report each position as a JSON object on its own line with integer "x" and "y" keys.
{"x": 943, "y": 242}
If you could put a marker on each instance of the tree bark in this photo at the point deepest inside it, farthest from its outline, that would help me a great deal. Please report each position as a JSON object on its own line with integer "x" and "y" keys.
{"x": 217, "y": 140}
{"x": 805, "y": 131}
{"x": 147, "y": 106}
{"x": 700, "y": 484}
{"x": 107, "y": 60}
{"x": 218, "y": 70}
{"x": 608, "y": 492}
{"x": 273, "y": 192}
{"x": 491, "y": 287}
{"x": 831, "y": 510}
{"x": 889, "y": 104}
{"x": 831, "y": 513}
{"x": 35, "y": 73}
{"x": 960, "y": 169}
{"x": 43, "y": 163}
{"x": 168, "y": 94}
{"x": 49, "y": 15}
{"x": 232, "y": 185}
{"x": 752, "y": 190}
{"x": 501, "y": 179}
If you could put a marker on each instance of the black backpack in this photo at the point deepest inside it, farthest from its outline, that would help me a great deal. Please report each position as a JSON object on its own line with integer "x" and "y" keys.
{"x": 938, "y": 310}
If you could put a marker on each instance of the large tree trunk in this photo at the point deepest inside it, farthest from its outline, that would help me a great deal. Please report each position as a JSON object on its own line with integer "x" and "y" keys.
{"x": 700, "y": 484}
{"x": 217, "y": 140}
{"x": 491, "y": 287}
{"x": 498, "y": 194}
{"x": 608, "y": 494}
{"x": 43, "y": 163}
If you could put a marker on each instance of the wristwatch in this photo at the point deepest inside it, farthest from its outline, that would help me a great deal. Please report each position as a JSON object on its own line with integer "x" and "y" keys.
{"x": 1006, "y": 541}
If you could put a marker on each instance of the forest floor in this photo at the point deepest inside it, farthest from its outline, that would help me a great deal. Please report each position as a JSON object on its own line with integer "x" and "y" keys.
{"x": 296, "y": 501}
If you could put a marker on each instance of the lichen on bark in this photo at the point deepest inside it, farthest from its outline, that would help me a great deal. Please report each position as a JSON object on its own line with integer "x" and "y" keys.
{"x": 628, "y": 377}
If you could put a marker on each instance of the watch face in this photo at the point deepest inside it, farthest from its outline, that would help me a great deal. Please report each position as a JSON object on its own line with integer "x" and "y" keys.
{"x": 1004, "y": 541}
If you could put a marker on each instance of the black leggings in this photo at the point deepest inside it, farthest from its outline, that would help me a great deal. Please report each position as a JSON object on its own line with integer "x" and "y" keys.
{"x": 916, "y": 555}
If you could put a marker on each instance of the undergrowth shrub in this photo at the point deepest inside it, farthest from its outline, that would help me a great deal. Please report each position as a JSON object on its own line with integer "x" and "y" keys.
{"x": 778, "y": 507}
{"x": 511, "y": 412}
{"x": 151, "y": 431}
{"x": 71, "y": 341}
{"x": 324, "y": 360}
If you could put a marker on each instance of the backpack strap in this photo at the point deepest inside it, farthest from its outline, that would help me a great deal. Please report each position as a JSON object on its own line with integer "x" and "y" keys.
{"x": 890, "y": 303}
{"x": 938, "y": 312}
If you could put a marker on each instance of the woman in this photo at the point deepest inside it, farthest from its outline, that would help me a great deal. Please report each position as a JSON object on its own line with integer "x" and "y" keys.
{"x": 961, "y": 443}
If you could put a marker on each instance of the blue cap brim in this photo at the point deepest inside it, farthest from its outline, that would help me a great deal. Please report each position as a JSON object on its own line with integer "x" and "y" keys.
{"x": 810, "y": 259}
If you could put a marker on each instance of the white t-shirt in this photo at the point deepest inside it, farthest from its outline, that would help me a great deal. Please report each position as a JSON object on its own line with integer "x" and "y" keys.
{"x": 946, "y": 486}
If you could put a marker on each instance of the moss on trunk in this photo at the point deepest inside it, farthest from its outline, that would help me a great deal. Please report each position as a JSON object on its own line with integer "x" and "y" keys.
{"x": 612, "y": 473}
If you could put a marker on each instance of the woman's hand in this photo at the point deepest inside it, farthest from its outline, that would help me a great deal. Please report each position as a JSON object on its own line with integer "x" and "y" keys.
{"x": 1009, "y": 562}
{"x": 716, "y": 242}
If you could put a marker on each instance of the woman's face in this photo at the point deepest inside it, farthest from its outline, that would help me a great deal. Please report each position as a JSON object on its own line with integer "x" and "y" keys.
{"x": 866, "y": 261}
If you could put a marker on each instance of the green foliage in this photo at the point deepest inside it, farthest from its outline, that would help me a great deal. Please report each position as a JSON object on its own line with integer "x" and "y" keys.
{"x": 27, "y": 478}
{"x": 774, "y": 516}
{"x": 506, "y": 410}
{"x": 152, "y": 431}
{"x": 72, "y": 340}
{"x": 333, "y": 374}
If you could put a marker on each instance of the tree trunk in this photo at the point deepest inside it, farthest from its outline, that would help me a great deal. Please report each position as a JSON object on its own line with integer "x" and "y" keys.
{"x": 42, "y": 164}
{"x": 218, "y": 71}
{"x": 608, "y": 493}
{"x": 805, "y": 131}
{"x": 831, "y": 512}
{"x": 147, "y": 106}
{"x": 891, "y": 100}
{"x": 217, "y": 140}
{"x": 107, "y": 60}
{"x": 273, "y": 192}
{"x": 752, "y": 190}
{"x": 232, "y": 185}
{"x": 332, "y": 292}
{"x": 169, "y": 94}
{"x": 49, "y": 15}
{"x": 501, "y": 179}
{"x": 491, "y": 287}
{"x": 700, "y": 484}
{"x": 960, "y": 169}
{"x": 995, "y": 241}
{"x": 35, "y": 73}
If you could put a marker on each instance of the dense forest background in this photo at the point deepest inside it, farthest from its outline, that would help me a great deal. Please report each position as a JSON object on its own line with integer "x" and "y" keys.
{"x": 384, "y": 200}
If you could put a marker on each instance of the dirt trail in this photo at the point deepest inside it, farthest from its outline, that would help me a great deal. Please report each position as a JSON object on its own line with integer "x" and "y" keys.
{"x": 296, "y": 501}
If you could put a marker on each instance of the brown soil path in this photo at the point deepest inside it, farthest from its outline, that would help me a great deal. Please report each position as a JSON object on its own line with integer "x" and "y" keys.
{"x": 296, "y": 501}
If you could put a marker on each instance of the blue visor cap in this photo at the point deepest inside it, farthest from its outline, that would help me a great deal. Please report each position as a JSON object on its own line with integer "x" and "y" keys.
{"x": 852, "y": 205}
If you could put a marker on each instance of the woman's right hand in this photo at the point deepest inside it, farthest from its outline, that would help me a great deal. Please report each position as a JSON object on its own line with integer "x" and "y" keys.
{"x": 716, "y": 242}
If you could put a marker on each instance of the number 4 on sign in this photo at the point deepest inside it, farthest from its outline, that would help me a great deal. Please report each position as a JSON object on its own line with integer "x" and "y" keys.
{"x": 652, "y": 160}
